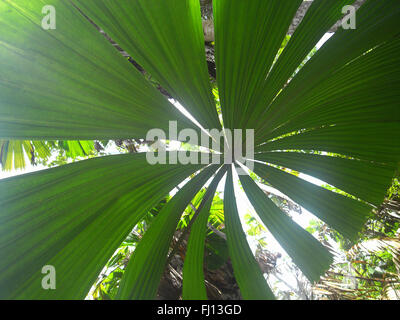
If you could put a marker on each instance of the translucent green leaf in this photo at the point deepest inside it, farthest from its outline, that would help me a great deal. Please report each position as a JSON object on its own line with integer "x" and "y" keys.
{"x": 306, "y": 252}
{"x": 74, "y": 217}
{"x": 193, "y": 286}
{"x": 145, "y": 268}
{"x": 166, "y": 39}
{"x": 70, "y": 83}
{"x": 258, "y": 29}
{"x": 247, "y": 272}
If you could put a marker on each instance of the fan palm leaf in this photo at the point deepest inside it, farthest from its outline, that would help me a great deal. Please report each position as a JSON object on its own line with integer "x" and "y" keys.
{"x": 70, "y": 83}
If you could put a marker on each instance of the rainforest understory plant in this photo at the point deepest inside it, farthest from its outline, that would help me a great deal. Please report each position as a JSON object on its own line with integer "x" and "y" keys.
{"x": 337, "y": 119}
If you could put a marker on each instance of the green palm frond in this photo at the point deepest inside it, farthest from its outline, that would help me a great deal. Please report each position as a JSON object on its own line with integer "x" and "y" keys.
{"x": 337, "y": 118}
